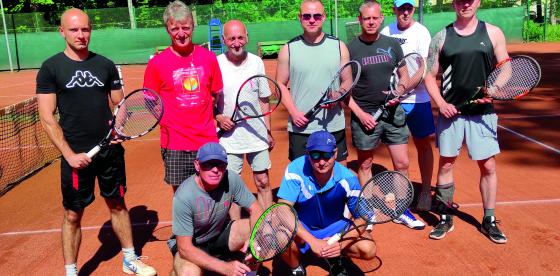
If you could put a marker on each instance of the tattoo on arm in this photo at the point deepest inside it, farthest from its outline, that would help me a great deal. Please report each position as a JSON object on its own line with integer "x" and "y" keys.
{"x": 433, "y": 54}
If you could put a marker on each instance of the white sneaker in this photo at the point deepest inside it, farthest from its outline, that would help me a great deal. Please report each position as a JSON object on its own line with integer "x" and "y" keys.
{"x": 408, "y": 219}
{"x": 137, "y": 267}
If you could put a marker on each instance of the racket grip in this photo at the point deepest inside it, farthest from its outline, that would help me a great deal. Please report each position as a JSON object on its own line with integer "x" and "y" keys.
{"x": 221, "y": 133}
{"x": 310, "y": 113}
{"x": 93, "y": 151}
{"x": 250, "y": 273}
{"x": 334, "y": 239}
{"x": 377, "y": 114}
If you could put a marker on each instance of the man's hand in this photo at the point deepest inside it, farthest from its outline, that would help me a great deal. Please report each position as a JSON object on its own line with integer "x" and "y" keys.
{"x": 448, "y": 110}
{"x": 224, "y": 122}
{"x": 236, "y": 268}
{"x": 322, "y": 249}
{"x": 78, "y": 160}
{"x": 487, "y": 92}
{"x": 367, "y": 120}
{"x": 299, "y": 119}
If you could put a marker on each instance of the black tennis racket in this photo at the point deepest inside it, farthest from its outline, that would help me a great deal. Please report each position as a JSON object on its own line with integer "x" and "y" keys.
{"x": 383, "y": 198}
{"x": 257, "y": 97}
{"x": 406, "y": 76}
{"x": 136, "y": 115}
{"x": 273, "y": 233}
{"x": 512, "y": 79}
{"x": 341, "y": 84}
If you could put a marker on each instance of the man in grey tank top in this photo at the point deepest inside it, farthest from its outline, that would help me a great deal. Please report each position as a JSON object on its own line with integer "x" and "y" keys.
{"x": 309, "y": 62}
{"x": 466, "y": 50}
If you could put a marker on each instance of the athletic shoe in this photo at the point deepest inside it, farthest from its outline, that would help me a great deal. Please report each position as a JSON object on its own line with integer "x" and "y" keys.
{"x": 444, "y": 226}
{"x": 336, "y": 267}
{"x": 408, "y": 219}
{"x": 137, "y": 267}
{"x": 490, "y": 228}
{"x": 299, "y": 271}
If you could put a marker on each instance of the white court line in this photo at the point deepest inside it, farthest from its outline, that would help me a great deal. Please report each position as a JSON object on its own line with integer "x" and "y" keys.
{"x": 531, "y": 139}
{"x": 165, "y": 223}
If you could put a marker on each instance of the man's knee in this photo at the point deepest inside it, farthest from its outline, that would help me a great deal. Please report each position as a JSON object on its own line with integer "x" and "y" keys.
{"x": 73, "y": 217}
{"x": 182, "y": 267}
{"x": 116, "y": 204}
{"x": 261, "y": 180}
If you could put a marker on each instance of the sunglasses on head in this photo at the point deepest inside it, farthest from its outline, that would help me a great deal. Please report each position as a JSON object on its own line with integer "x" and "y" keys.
{"x": 209, "y": 165}
{"x": 316, "y": 155}
{"x": 316, "y": 16}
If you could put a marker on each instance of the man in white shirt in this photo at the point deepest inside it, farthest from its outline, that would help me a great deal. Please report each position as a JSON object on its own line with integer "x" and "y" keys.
{"x": 415, "y": 38}
{"x": 249, "y": 139}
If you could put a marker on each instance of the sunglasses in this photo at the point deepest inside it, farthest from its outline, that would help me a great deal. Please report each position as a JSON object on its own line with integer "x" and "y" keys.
{"x": 405, "y": 8}
{"x": 213, "y": 164}
{"x": 316, "y": 16}
{"x": 316, "y": 155}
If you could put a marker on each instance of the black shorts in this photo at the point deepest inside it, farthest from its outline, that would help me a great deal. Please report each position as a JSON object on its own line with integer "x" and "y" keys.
{"x": 217, "y": 247}
{"x": 78, "y": 185}
{"x": 179, "y": 165}
{"x": 298, "y": 141}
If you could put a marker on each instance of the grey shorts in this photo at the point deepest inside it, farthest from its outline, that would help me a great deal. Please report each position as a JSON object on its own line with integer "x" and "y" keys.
{"x": 390, "y": 133}
{"x": 179, "y": 165}
{"x": 259, "y": 161}
{"x": 298, "y": 141}
{"x": 478, "y": 131}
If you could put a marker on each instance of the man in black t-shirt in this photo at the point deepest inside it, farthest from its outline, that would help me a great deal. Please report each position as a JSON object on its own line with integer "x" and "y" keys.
{"x": 466, "y": 51}
{"x": 79, "y": 83}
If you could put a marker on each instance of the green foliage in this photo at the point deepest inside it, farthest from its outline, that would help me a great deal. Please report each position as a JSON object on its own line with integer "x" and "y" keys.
{"x": 535, "y": 32}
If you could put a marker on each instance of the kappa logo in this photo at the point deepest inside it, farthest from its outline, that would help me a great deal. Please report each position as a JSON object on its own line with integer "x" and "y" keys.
{"x": 84, "y": 79}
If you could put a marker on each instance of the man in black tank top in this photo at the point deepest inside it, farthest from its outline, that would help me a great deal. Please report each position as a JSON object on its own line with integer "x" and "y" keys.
{"x": 466, "y": 51}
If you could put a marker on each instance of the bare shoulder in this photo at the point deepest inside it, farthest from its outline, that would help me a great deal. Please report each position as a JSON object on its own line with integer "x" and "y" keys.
{"x": 494, "y": 31}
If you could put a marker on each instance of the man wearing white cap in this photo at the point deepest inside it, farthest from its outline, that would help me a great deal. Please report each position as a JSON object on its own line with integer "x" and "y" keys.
{"x": 204, "y": 236}
{"x": 415, "y": 38}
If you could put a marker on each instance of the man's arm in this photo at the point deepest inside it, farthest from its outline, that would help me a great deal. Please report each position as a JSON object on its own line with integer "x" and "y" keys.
{"x": 47, "y": 108}
{"x": 193, "y": 254}
{"x": 282, "y": 78}
{"x": 446, "y": 109}
{"x": 319, "y": 247}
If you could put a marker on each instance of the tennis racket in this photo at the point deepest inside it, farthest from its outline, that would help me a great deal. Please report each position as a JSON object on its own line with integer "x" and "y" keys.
{"x": 136, "y": 115}
{"x": 273, "y": 233}
{"x": 406, "y": 76}
{"x": 342, "y": 83}
{"x": 257, "y": 97}
{"x": 512, "y": 79}
{"x": 383, "y": 198}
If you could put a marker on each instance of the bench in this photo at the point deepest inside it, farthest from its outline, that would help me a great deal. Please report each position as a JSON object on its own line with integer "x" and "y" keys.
{"x": 266, "y": 48}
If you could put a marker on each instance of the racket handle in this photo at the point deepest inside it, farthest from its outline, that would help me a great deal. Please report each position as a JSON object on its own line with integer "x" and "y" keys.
{"x": 334, "y": 239}
{"x": 251, "y": 273}
{"x": 221, "y": 133}
{"x": 311, "y": 112}
{"x": 93, "y": 151}
{"x": 377, "y": 114}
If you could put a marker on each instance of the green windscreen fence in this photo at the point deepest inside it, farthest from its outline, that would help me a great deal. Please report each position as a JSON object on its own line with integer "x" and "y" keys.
{"x": 133, "y": 46}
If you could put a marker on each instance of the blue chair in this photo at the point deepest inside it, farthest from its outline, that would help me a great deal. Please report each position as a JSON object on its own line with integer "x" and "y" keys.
{"x": 215, "y": 36}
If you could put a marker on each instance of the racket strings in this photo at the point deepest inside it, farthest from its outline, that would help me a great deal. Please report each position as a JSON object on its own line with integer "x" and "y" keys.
{"x": 409, "y": 73}
{"x": 274, "y": 233}
{"x": 346, "y": 78}
{"x": 513, "y": 78}
{"x": 386, "y": 197}
{"x": 257, "y": 96}
{"x": 138, "y": 113}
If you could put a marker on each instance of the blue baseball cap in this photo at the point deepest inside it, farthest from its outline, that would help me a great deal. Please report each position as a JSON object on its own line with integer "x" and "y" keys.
{"x": 399, "y": 3}
{"x": 321, "y": 141}
{"x": 211, "y": 151}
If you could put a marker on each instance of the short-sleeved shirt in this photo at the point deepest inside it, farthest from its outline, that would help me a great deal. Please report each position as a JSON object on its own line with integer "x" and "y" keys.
{"x": 318, "y": 206}
{"x": 312, "y": 68}
{"x": 82, "y": 89}
{"x": 248, "y": 135}
{"x": 415, "y": 39}
{"x": 378, "y": 60}
{"x": 186, "y": 85}
{"x": 201, "y": 214}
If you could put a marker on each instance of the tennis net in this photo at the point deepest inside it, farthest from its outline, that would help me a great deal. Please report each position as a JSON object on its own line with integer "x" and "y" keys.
{"x": 24, "y": 145}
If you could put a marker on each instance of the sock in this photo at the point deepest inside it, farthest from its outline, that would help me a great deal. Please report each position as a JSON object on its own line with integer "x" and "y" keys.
{"x": 444, "y": 194}
{"x": 298, "y": 268}
{"x": 488, "y": 212}
{"x": 129, "y": 254}
{"x": 71, "y": 269}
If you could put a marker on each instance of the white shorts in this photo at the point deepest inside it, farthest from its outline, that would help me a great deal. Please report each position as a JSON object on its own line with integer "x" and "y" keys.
{"x": 259, "y": 161}
{"x": 478, "y": 131}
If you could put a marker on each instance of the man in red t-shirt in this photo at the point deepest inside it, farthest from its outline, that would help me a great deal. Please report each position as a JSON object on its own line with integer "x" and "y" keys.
{"x": 189, "y": 81}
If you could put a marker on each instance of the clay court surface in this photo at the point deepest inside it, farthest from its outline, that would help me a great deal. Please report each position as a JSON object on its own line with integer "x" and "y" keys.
{"x": 528, "y": 199}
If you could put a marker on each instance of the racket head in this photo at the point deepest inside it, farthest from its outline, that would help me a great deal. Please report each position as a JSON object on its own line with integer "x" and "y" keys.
{"x": 513, "y": 78}
{"x": 273, "y": 232}
{"x": 137, "y": 114}
{"x": 408, "y": 74}
{"x": 258, "y": 96}
{"x": 342, "y": 83}
{"x": 384, "y": 197}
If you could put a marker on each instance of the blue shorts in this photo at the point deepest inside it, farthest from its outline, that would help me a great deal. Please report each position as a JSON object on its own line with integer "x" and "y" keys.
{"x": 326, "y": 232}
{"x": 419, "y": 119}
